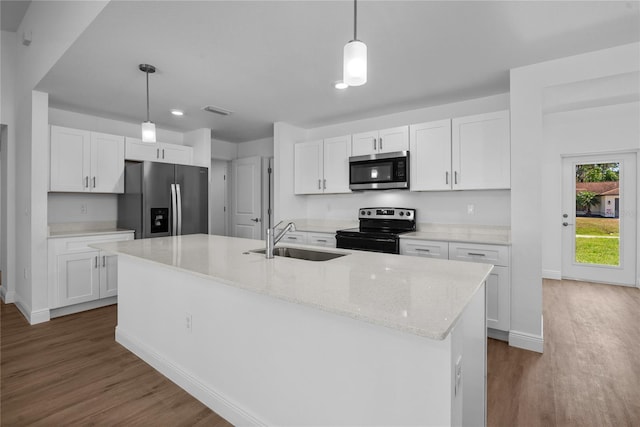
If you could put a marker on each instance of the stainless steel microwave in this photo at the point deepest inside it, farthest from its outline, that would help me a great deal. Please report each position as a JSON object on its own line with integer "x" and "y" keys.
{"x": 379, "y": 171}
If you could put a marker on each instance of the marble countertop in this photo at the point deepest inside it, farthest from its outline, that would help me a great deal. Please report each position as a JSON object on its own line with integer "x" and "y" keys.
{"x": 491, "y": 235}
{"x": 80, "y": 229}
{"x": 421, "y": 296}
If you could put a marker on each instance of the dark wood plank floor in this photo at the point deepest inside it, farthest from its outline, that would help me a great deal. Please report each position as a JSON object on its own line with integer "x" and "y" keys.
{"x": 589, "y": 374}
{"x": 70, "y": 371}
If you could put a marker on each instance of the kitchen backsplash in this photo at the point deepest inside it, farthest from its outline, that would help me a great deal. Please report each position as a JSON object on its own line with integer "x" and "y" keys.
{"x": 70, "y": 207}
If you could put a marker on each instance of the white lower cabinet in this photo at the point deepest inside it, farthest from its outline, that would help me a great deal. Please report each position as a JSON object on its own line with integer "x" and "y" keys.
{"x": 327, "y": 240}
{"x": 498, "y": 287}
{"x": 298, "y": 237}
{"x": 78, "y": 273}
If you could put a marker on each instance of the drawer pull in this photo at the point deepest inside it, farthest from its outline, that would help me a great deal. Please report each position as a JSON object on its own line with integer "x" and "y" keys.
{"x": 423, "y": 250}
{"x": 321, "y": 240}
{"x": 475, "y": 254}
{"x": 292, "y": 238}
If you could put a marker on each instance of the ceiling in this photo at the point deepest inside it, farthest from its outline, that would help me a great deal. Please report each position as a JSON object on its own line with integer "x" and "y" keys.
{"x": 12, "y": 12}
{"x": 270, "y": 61}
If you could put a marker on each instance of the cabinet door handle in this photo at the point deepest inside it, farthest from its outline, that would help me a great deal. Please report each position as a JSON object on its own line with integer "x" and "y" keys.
{"x": 163, "y": 153}
{"x": 423, "y": 250}
{"x": 104, "y": 261}
{"x": 374, "y": 144}
{"x": 324, "y": 184}
{"x": 455, "y": 177}
{"x": 319, "y": 184}
{"x": 446, "y": 177}
{"x": 96, "y": 262}
{"x": 157, "y": 153}
{"x": 94, "y": 182}
{"x": 86, "y": 182}
{"x": 380, "y": 143}
{"x": 475, "y": 254}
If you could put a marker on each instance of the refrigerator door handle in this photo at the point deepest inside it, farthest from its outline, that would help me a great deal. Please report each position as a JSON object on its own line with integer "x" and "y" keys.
{"x": 179, "y": 210}
{"x": 174, "y": 216}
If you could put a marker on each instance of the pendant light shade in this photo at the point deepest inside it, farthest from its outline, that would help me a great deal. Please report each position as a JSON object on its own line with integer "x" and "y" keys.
{"x": 355, "y": 63}
{"x": 354, "y": 71}
{"x": 148, "y": 127}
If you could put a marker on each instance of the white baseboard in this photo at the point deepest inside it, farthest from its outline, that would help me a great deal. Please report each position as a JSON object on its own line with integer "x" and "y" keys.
{"x": 33, "y": 317}
{"x": 77, "y": 308}
{"x": 551, "y": 274}
{"x": 526, "y": 341}
{"x": 8, "y": 297}
{"x": 227, "y": 409}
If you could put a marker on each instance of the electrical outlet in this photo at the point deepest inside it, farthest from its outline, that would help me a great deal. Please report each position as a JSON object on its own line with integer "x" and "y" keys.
{"x": 83, "y": 208}
{"x": 188, "y": 322}
{"x": 471, "y": 209}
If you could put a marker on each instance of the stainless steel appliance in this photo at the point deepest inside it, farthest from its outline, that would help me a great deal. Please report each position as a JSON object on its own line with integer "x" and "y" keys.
{"x": 379, "y": 231}
{"x": 379, "y": 171}
{"x": 162, "y": 199}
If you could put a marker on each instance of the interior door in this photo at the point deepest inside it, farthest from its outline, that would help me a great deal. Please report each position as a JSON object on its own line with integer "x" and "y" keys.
{"x": 247, "y": 198}
{"x": 598, "y": 240}
{"x": 193, "y": 189}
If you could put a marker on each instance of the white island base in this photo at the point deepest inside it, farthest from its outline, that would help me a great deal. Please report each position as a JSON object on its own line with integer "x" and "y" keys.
{"x": 259, "y": 360}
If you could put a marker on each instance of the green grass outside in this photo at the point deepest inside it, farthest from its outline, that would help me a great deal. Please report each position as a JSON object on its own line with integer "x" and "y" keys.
{"x": 597, "y": 226}
{"x": 593, "y": 250}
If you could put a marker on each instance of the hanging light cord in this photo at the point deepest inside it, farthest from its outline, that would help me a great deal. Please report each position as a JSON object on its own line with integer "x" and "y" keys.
{"x": 355, "y": 19}
{"x": 147, "y": 73}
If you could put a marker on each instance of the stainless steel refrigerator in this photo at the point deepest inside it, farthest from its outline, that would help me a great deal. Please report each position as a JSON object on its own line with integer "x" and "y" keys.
{"x": 162, "y": 199}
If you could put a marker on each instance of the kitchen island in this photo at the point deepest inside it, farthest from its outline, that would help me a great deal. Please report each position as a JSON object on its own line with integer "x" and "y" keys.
{"x": 362, "y": 339}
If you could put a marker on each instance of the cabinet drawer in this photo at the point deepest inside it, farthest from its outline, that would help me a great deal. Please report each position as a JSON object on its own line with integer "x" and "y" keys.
{"x": 488, "y": 254}
{"x": 424, "y": 248}
{"x": 295, "y": 237}
{"x": 322, "y": 239}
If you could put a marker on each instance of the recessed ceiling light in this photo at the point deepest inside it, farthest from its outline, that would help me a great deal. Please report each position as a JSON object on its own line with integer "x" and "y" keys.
{"x": 177, "y": 112}
{"x": 340, "y": 85}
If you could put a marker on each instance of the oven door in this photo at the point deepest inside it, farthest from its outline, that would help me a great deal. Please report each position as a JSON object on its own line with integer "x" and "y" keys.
{"x": 390, "y": 245}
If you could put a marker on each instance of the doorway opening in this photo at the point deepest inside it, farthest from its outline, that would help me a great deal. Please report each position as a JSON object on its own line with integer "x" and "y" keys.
{"x": 599, "y": 218}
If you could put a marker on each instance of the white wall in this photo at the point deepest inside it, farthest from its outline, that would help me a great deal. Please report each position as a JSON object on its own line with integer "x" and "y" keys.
{"x": 585, "y": 131}
{"x": 528, "y": 157}
{"x": 8, "y": 59}
{"x": 200, "y": 140}
{"x": 447, "y": 207}
{"x": 55, "y": 26}
{"x": 260, "y": 147}
{"x": 223, "y": 150}
{"x": 67, "y": 207}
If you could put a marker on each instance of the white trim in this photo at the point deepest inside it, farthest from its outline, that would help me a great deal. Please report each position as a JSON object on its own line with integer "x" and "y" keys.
{"x": 551, "y": 274}
{"x": 33, "y": 317}
{"x": 526, "y": 341}
{"x": 220, "y": 404}
{"x": 77, "y": 308}
{"x": 8, "y": 297}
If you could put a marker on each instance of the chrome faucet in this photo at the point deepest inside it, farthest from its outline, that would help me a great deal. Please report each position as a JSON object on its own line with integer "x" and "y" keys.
{"x": 273, "y": 238}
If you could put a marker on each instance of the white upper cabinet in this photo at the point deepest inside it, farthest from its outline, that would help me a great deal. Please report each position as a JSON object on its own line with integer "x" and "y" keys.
{"x": 481, "y": 151}
{"x": 465, "y": 153}
{"x": 430, "y": 156}
{"x": 383, "y": 141}
{"x": 158, "y": 152}
{"x": 83, "y": 161}
{"x": 322, "y": 166}
{"x": 308, "y": 167}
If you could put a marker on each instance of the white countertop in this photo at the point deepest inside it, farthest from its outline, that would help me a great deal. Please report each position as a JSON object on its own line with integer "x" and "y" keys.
{"x": 80, "y": 229}
{"x": 485, "y": 234}
{"x": 417, "y": 295}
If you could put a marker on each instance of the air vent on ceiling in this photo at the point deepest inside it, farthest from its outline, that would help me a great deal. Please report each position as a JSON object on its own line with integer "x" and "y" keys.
{"x": 217, "y": 110}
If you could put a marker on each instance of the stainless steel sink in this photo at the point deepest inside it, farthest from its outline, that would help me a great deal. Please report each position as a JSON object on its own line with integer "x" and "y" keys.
{"x": 297, "y": 253}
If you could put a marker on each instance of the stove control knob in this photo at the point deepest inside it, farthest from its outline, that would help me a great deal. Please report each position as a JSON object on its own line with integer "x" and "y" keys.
{"x": 362, "y": 212}
{"x": 368, "y": 212}
{"x": 408, "y": 213}
{"x": 401, "y": 213}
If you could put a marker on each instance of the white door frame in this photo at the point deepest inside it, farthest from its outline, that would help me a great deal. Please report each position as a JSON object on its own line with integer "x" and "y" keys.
{"x": 626, "y": 272}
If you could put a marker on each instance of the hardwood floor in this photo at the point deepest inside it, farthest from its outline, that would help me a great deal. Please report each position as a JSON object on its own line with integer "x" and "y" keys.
{"x": 589, "y": 374}
{"x": 70, "y": 371}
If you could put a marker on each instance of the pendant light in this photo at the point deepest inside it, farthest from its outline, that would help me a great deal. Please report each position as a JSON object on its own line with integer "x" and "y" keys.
{"x": 148, "y": 127}
{"x": 355, "y": 56}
